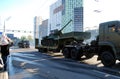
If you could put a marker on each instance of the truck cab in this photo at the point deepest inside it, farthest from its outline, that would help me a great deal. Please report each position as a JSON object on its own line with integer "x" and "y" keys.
{"x": 109, "y": 42}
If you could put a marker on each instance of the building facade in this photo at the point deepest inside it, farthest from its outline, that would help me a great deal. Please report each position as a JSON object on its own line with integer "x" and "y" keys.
{"x": 64, "y": 10}
{"x": 81, "y": 12}
{"x": 40, "y": 28}
{"x": 43, "y": 29}
{"x": 73, "y": 10}
{"x": 37, "y": 22}
{"x": 55, "y": 16}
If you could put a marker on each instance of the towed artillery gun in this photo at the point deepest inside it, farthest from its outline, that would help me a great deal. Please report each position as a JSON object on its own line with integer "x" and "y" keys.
{"x": 106, "y": 46}
{"x": 57, "y": 40}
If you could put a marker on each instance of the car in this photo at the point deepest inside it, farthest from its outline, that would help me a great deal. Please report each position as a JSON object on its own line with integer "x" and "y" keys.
{"x": 24, "y": 44}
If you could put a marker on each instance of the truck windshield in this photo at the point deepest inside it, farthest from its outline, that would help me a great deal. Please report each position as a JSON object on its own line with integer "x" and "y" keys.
{"x": 114, "y": 28}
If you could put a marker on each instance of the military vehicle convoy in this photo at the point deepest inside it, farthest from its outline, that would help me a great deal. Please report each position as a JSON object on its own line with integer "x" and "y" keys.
{"x": 72, "y": 44}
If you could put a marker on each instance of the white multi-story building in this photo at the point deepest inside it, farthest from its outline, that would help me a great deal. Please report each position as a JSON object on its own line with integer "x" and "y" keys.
{"x": 37, "y": 22}
{"x": 43, "y": 29}
{"x": 40, "y": 28}
{"x": 55, "y": 16}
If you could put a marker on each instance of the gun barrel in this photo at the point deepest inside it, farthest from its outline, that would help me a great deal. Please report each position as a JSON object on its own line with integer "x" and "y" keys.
{"x": 65, "y": 25}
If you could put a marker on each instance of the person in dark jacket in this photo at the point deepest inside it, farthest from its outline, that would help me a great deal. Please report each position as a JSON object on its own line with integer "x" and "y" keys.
{"x": 5, "y": 41}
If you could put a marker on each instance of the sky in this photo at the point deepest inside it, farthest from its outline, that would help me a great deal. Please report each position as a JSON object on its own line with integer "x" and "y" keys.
{"x": 25, "y": 7}
{"x": 108, "y": 11}
{"x": 22, "y": 12}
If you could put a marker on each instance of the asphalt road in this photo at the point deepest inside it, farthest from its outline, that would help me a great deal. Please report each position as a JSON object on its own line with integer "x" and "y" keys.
{"x": 30, "y": 64}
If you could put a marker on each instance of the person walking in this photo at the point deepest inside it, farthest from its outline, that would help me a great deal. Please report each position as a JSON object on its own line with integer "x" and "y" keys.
{"x": 5, "y": 41}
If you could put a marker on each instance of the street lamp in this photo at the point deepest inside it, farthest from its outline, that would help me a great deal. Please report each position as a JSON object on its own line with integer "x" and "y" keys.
{"x": 4, "y": 22}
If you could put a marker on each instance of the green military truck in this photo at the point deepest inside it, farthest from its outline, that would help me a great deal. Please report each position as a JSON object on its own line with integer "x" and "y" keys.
{"x": 106, "y": 45}
{"x": 109, "y": 42}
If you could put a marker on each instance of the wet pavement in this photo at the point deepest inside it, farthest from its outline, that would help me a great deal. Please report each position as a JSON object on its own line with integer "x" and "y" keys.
{"x": 35, "y": 65}
{"x": 30, "y": 64}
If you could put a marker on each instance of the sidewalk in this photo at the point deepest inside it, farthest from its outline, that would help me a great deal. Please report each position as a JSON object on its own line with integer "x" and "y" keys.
{"x": 3, "y": 74}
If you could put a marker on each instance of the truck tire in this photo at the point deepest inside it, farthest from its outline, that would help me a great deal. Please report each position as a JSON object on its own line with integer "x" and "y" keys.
{"x": 45, "y": 50}
{"x": 75, "y": 54}
{"x": 66, "y": 52}
{"x": 40, "y": 50}
{"x": 108, "y": 59}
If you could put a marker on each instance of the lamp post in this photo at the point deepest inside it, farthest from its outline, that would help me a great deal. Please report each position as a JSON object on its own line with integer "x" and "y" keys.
{"x": 4, "y": 27}
{"x": 4, "y": 23}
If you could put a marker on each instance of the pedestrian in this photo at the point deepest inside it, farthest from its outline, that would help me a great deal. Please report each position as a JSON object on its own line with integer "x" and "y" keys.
{"x": 5, "y": 44}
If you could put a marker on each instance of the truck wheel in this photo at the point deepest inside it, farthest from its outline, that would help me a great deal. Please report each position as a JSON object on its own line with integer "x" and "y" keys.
{"x": 66, "y": 52}
{"x": 39, "y": 50}
{"x": 108, "y": 59}
{"x": 75, "y": 54}
{"x": 45, "y": 50}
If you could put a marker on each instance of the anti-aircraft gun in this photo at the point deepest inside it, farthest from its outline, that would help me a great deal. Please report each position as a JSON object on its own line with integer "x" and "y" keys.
{"x": 53, "y": 38}
{"x": 57, "y": 40}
